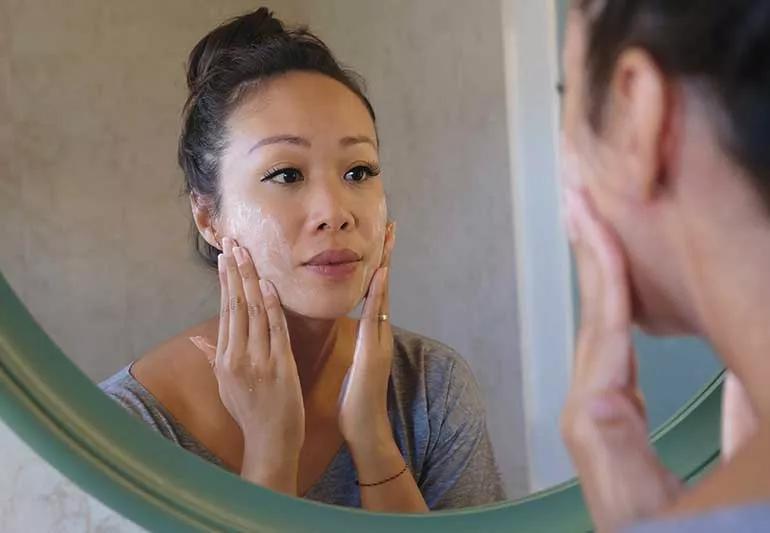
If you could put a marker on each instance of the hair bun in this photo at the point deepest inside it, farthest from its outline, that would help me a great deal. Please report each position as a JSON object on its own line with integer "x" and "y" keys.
{"x": 252, "y": 28}
{"x": 236, "y": 34}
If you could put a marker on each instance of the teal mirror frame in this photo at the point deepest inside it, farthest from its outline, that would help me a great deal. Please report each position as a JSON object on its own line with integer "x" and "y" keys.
{"x": 65, "y": 418}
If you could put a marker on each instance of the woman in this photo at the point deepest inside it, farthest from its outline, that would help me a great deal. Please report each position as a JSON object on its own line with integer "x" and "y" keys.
{"x": 280, "y": 154}
{"x": 666, "y": 130}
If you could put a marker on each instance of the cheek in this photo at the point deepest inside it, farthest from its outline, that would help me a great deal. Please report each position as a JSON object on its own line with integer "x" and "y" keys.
{"x": 263, "y": 235}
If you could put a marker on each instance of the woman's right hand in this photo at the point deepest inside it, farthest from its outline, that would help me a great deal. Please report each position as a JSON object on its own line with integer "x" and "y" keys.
{"x": 257, "y": 375}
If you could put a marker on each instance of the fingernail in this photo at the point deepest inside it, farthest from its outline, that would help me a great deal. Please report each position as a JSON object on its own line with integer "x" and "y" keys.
{"x": 221, "y": 262}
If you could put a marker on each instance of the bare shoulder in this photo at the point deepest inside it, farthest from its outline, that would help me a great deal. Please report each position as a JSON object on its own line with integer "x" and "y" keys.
{"x": 175, "y": 369}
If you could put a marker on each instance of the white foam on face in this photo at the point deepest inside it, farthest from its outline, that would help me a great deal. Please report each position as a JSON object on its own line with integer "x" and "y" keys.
{"x": 378, "y": 236}
{"x": 264, "y": 238}
{"x": 271, "y": 251}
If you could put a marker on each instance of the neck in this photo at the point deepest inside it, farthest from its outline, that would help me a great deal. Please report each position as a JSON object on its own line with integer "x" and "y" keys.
{"x": 729, "y": 264}
{"x": 313, "y": 342}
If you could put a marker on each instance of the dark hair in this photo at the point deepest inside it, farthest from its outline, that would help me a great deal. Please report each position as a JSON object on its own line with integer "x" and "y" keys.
{"x": 722, "y": 44}
{"x": 232, "y": 60}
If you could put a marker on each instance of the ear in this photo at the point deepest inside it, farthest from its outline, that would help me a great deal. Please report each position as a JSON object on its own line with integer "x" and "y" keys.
{"x": 202, "y": 215}
{"x": 639, "y": 96}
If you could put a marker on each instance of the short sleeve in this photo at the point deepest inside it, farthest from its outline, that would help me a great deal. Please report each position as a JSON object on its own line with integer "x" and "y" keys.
{"x": 460, "y": 468}
{"x": 124, "y": 390}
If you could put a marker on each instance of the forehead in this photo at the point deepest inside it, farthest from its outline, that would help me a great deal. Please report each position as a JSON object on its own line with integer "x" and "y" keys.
{"x": 302, "y": 103}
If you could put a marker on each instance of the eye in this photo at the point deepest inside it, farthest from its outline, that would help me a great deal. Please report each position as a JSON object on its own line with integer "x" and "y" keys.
{"x": 362, "y": 173}
{"x": 284, "y": 176}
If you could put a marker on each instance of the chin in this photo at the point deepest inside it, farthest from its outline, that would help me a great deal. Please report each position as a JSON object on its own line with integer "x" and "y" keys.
{"x": 319, "y": 306}
{"x": 658, "y": 329}
{"x": 658, "y": 321}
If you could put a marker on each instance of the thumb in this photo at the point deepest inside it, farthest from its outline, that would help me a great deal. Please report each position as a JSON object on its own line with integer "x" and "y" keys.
{"x": 208, "y": 349}
{"x": 344, "y": 388}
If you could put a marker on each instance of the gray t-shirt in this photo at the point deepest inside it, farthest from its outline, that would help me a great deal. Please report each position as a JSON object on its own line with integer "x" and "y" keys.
{"x": 437, "y": 416}
{"x": 744, "y": 519}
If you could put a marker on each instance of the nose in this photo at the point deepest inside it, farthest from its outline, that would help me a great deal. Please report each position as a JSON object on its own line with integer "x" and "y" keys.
{"x": 330, "y": 208}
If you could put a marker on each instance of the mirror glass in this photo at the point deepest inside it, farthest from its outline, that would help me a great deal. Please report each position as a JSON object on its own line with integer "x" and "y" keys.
{"x": 97, "y": 230}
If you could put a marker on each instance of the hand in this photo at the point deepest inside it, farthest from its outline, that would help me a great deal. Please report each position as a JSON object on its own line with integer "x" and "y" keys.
{"x": 363, "y": 415}
{"x": 604, "y": 422}
{"x": 257, "y": 375}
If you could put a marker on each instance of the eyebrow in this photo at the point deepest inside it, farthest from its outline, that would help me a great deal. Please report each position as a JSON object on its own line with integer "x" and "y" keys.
{"x": 358, "y": 139}
{"x": 276, "y": 139}
{"x": 345, "y": 142}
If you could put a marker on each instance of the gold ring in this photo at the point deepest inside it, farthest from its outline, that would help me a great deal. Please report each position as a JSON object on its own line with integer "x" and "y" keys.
{"x": 382, "y": 317}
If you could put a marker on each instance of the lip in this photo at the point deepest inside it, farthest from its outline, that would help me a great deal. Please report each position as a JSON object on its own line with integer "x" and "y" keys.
{"x": 336, "y": 265}
{"x": 334, "y": 257}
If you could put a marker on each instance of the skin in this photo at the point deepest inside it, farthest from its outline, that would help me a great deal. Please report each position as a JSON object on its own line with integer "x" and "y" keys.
{"x": 669, "y": 234}
{"x": 299, "y": 177}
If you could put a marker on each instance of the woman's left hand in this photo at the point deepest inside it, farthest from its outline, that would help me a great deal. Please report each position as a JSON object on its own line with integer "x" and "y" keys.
{"x": 363, "y": 415}
{"x": 386, "y": 485}
{"x": 604, "y": 422}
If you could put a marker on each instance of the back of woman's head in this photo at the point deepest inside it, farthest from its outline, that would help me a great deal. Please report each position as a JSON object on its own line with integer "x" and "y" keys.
{"x": 721, "y": 45}
{"x": 229, "y": 63}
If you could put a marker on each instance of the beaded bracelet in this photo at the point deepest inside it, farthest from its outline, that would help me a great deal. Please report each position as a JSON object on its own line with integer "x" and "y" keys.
{"x": 383, "y": 481}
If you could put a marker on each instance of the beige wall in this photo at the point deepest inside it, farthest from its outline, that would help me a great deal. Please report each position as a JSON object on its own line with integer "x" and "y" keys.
{"x": 94, "y": 235}
{"x": 95, "y": 238}
{"x": 435, "y": 73}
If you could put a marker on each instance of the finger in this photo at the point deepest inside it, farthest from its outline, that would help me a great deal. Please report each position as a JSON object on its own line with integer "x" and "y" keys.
{"x": 585, "y": 261}
{"x": 605, "y": 364}
{"x": 258, "y": 340}
{"x": 390, "y": 243}
{"x": 615, "y": 305}
{"x": 604, "y": 358}
{"x": 224, "y": 310}
{"x": 635, "y": 392}
{"x": 385, "y": 330}
{"x": 387, "y": 247}
{"x": 369, "y": 325}
{"x": 280, "y": 344}
{"x": 238, "y": 324}
{"x": 616, "y": 409}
